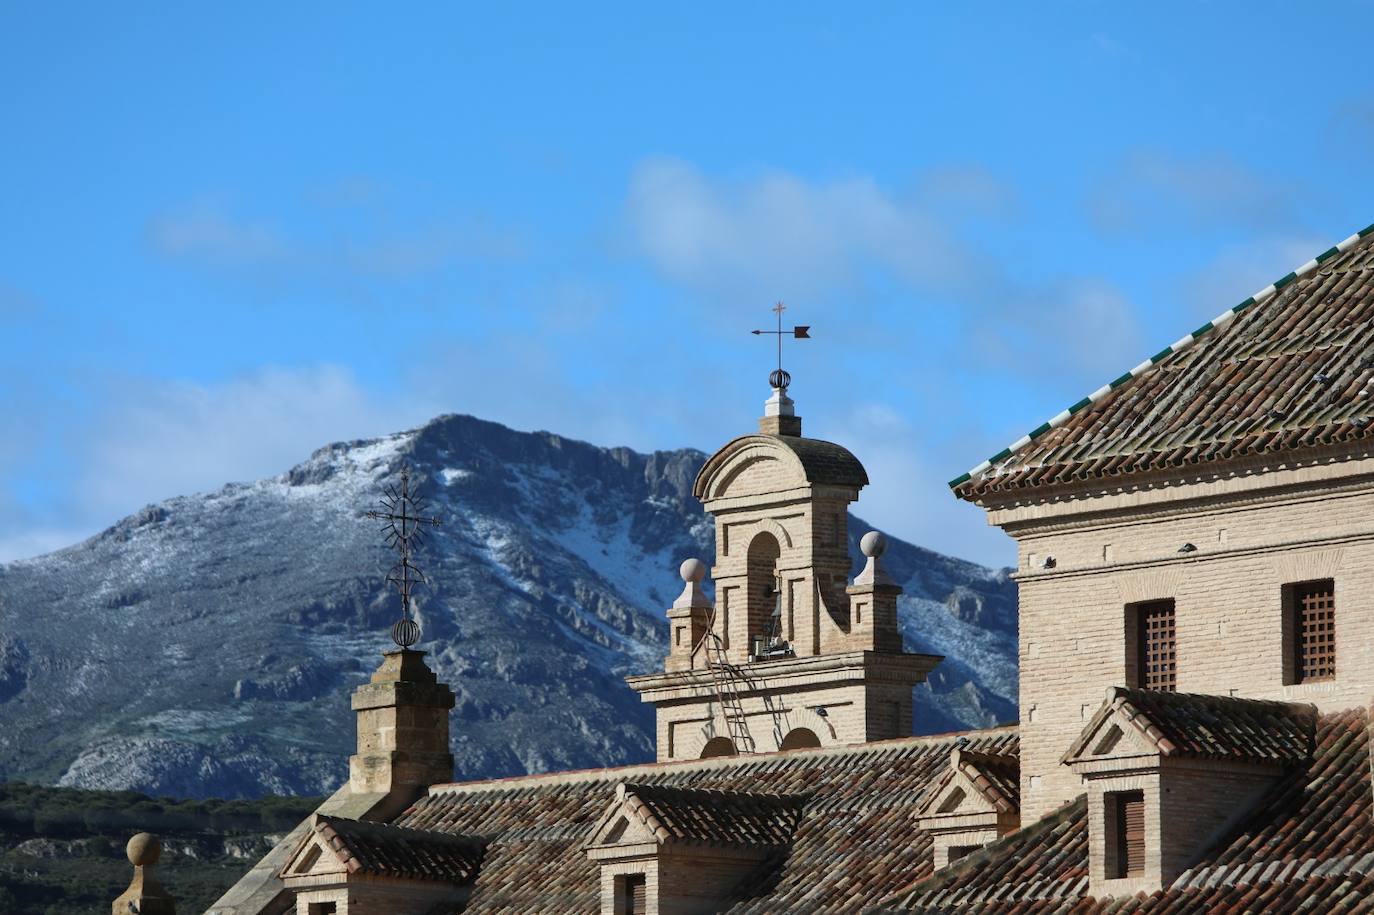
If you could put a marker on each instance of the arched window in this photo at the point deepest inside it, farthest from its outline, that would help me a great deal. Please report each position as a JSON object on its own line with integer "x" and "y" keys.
{"x": 800, "y": 738}
{"x": 761, "y": 597}
{"x": 718, "y": 746}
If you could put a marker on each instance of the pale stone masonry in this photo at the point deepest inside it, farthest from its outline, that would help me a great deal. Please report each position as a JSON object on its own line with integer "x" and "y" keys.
{"x": 1265, "y": 525}
{"x": 833, "y": 671}
{"x": 1196, "y": 565}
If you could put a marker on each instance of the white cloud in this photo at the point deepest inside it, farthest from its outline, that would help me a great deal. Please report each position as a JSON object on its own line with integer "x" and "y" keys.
{"x": 1151, "y": 190}
{"x": 155, "y": 441}
{"x": 780, "y": 232}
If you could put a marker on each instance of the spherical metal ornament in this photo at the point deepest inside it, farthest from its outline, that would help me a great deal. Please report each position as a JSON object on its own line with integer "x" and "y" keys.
{"x": 692, "y": 570}
{"x": 873, "y": 544}
{"x": 143, "y": 849}
{"x": 779, "y": 378}
{"x": 405, "y": 633}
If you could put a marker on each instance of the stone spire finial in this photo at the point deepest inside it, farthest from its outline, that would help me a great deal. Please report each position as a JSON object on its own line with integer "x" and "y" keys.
{"x": 145, "y": 895}
{"x": 693, "y": 572}
{"x": 873, "y": 545}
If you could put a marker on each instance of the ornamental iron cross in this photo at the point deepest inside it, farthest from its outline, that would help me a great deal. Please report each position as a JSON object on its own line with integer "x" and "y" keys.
{"x": 779, "y": 378}
{"x": 403, "y": 526}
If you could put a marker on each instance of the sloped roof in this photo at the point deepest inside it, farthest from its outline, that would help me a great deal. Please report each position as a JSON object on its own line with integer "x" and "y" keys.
{"x": 714, "y": 817}
{"x": 996, "y": 776}
{"x": 1282, "y": 370}
{"x": 1210, "y": 727}
{"x": 385, "y": 850}
{"x": 855, "y": 841}
{"x": 1311, "y": 838}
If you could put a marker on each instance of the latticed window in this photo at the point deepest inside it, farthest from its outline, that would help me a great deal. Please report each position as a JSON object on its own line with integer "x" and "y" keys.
{"x": 1312, "y": 605}
{"x": 1157, "y": 655}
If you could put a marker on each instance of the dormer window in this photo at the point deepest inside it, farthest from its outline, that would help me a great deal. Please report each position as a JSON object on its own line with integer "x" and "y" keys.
{"x": 974, "y": 802}
{"x": 1165, "y": 772}
{"x": 685, "y": 850}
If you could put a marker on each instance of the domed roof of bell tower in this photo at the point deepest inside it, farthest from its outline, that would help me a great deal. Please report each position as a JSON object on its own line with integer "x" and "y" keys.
{"x": 764, "y": 463}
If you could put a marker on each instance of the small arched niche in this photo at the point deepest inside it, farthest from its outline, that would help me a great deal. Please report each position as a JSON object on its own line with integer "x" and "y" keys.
{"x": 718, "y": 746}
{"x": 800, "y": 739}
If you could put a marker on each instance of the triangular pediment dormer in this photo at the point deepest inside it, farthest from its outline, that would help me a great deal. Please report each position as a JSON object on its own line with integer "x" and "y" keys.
{"x": 1116, "y": 732}
{"x": 956, "y": 795}
{"x": 314, "y": 857}
{"x": 623, "y": 824}
{"x": 973, "y": 802}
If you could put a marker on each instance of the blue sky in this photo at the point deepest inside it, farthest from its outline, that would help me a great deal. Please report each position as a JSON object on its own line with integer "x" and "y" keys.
{"x": 233, "y": 233}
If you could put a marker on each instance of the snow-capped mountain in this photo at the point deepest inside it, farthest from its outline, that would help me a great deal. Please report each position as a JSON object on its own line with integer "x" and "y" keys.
{"x": 206, "y": 645}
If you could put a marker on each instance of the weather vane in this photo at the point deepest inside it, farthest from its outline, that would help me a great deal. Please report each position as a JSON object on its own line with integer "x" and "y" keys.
{"x": 779, "y": 378}
{"x": 403, "y": 528}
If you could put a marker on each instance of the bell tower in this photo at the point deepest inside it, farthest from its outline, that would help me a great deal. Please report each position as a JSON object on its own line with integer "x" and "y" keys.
{"x": 789, "y": 653}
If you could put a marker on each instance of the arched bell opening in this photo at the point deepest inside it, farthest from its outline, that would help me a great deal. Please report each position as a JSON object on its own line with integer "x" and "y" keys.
{"x": 800, "y": 739}
{"x": 763, "y": 598}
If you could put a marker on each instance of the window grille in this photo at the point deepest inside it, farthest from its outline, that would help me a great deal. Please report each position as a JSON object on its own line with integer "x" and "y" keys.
{"x": 1314, "y": 624}
{"x": 1158, "y": 662}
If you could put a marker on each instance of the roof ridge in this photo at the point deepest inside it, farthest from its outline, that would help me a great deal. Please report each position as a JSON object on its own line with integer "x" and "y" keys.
{"x": 631, "y": 770}
{"x": 391, "y": 830}
{"x": 1181, "y": 344}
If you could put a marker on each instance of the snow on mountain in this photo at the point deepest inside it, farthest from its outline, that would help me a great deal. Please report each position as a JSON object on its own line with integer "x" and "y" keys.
{"x": 206, "y": 645}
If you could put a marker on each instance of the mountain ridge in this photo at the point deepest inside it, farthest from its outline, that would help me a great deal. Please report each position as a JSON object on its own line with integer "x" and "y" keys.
{"x": 206, "y": 644}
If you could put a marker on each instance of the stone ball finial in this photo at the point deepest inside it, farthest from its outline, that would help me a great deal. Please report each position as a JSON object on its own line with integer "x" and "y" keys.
{"x": 144, "y": 849}
{"x": 873, "y": 544}
{"x": 692, "y": 570}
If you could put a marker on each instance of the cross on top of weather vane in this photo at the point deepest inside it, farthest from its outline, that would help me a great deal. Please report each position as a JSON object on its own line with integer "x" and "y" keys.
{"x": 403, "y": 527}
{"x": 778, "y": 378}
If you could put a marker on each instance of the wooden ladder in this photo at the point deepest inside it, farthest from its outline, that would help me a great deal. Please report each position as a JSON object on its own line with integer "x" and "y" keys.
{"x": 725, "y": 677}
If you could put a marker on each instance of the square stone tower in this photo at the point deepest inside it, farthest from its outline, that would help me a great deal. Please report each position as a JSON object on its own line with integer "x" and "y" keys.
{"x": 790, "y": 653}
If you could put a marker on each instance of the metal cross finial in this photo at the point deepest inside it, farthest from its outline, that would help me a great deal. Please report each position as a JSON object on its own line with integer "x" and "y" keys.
{"x": 403, "y": 514}
{"x": 779, "y": 378}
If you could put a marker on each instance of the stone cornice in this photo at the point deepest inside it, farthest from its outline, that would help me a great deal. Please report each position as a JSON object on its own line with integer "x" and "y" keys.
{"x": 770, "y": 676}
{"x": 1037, "y": 576}
{"x": 1235, "y": 481}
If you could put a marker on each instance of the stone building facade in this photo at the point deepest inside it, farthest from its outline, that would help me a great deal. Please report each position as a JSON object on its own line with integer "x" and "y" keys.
{"x": 1194, "y": 546}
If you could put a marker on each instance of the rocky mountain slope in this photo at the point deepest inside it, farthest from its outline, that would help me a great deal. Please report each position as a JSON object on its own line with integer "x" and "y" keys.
{"x": 206, "y": 645}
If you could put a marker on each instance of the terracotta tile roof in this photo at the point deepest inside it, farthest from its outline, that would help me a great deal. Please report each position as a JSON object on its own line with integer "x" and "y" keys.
{"x": 996, "y": 776}
{"x": 1211, "y": 727}
{"x": 385, "y": 850}
{"x": 854, "y": 843}
{"x": 714, "y": 817}
{"x": 1282, "y": 370}
{"x": 1310, "y": 839}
